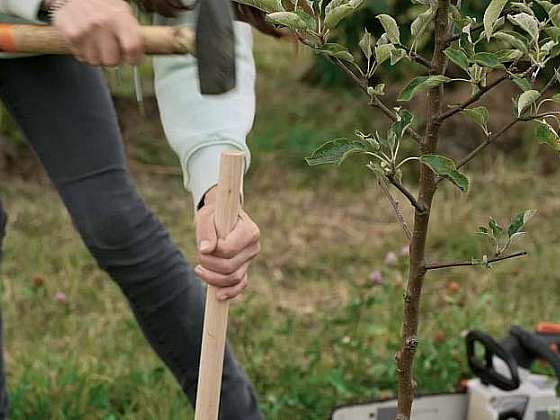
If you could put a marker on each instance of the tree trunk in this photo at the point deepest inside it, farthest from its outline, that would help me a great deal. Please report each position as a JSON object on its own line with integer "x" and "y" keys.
{"x": 427, "y": 188}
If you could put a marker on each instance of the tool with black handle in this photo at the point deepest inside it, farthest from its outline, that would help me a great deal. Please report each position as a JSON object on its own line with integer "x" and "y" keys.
{"x": 520, "y": 348}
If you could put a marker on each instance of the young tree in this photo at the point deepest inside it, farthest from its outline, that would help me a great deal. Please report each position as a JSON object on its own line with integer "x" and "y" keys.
{"x": 515, "y": 42}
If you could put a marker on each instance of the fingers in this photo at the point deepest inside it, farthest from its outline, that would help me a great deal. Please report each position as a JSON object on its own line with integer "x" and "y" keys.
{"x": 229, "y": 265}
{"x": 131, "y": 42}
{"x": 232, "y": 292}
{"x": 222, "y": 280}
{"x": 101, "y": 32}
{"x": 245, "y": 234}
{"x": 206, "y": 235}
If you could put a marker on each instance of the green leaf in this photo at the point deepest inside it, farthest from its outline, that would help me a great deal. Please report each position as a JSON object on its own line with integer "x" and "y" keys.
{"x": 480, "y": 116}
{"x": 554, "y": 14}
{"x": 547, "y": 135}
{"x": 446, "y": 168}
{"x": 486, "y": 59}
{"x": 508, "y": 55}
{"x": 556, "y": 98}
{"x": 336, "y": 50}
{"x": 523, "y": 83}
{"x": 495, "y": 227}
{"x": 334, "y": 152}
{"x": 269, "y": 6}
{"x": 546, "y": 5}
{"x": 421, "y": 23}
{"x": 527, "y": 99}
{"x": 404, "y": 121}
{"x": 333, "y": 18}
{"x": 397, "y": 55}
{"x": 340, "y": 10}
{"x": 391, "y": 28}
{"x": 458, "y": 57}
{"x": 491, "y": 15}
{"x": 519, "y": 221}
{"x": 366, "y": 44}
{"x": 528, "y": 23}
{"x": 420, "y": 84}
{"x": 290, "y": 20}
{"x": 511, "y": 40}
{"x": 383, "y": 53}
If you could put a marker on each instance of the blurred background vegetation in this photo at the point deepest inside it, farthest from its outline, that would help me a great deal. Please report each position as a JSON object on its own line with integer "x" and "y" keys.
{"x": 320, "y": 324}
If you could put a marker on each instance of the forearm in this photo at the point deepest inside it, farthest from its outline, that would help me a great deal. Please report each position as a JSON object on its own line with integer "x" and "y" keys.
{"x": 200, "y": 127}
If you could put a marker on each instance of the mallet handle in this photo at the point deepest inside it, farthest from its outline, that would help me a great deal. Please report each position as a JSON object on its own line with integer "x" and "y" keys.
{"x": 216, "y": 315}
{"x": 42, "y": 39}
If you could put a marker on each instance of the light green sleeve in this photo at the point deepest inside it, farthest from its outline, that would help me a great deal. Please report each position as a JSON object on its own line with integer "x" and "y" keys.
{"x": 200, "y": 127}
{"x": 26, "y": 9}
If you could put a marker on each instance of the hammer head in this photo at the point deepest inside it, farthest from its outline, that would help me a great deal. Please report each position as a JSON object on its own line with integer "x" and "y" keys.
{"x": 215, "y": 47}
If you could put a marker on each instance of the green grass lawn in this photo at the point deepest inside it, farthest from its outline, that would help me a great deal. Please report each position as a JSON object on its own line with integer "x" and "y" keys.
{"x": 312, "y": 331}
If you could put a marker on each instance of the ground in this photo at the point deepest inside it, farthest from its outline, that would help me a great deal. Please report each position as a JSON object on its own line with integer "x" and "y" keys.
{"x": 313, "y": 330}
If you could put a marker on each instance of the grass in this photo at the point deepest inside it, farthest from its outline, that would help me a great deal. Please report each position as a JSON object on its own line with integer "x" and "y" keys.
{"x": 312, "y": 331}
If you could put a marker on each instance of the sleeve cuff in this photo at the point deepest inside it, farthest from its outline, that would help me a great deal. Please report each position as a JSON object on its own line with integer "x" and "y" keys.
{"x": 201, "y": 169}
{"x": 27, "y": 9}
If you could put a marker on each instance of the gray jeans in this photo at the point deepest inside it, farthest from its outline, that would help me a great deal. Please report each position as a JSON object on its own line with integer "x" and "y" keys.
{"x": 66, "y": 113}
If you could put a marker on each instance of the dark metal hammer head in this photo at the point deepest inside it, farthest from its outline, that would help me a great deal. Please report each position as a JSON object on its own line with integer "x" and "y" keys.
{"x": 215, "y": 47}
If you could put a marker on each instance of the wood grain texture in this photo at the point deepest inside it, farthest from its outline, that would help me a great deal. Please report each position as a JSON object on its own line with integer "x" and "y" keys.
{"x": 41, "y": 39}
{"x": 216, "y": 314}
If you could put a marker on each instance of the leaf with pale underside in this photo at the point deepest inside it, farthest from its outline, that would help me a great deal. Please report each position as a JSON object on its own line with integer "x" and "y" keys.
{"x": 526, "y": 99}
{"x": 547, "y": 135}
{"x": 528, "y": 23}
{"x": 480, "y": 116}
{"x": 491, "y": 15}
{"x": 554, "y": 15}
{"x": 337, "y": 51}
{"x": 519, "y": 221}
{"x": 446, "y": 168}
{"x": 290, "y": 20}
{"x": 366, "y": 44}
{"x": 269, "y": 6}
{"x": 391, "y": 28}
{"x": 421, "y": 84}
{"x": 335, "y": 152}
{"x": 421, "y": 23}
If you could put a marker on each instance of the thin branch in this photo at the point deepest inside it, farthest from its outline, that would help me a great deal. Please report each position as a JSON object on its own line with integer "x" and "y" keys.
{"x": 471, "y": 263}
{"x": 487, "y": 143}
{"x": 504, "y": 129}
{"x": 417, "y": 58}
{"x": 394, "y": 203}
{"x": 407, "y": 194}
{"x": 375, "y": 101}
{"x": 461, "y": 107}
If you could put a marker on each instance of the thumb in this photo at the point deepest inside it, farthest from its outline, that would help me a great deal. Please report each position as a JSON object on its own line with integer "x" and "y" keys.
{"x": 206, "y": 235}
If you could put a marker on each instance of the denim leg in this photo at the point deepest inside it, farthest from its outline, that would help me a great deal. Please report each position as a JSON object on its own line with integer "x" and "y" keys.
{"x": 66, "y": 112}
{"x": 3, "y": 391}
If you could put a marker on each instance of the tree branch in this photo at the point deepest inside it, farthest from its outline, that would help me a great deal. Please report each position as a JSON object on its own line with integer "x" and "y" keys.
{"x": 395, "y": 204}
{"x": 375, "y": 101}
{"x": 407, "y": 194}
{"x": 449, "y": 113}
{"x": 504, "y": 129}
{"x": 471, "y": 263}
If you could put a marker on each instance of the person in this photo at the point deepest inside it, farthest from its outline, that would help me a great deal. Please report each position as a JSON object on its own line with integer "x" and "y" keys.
{"x": 64, "y": 108}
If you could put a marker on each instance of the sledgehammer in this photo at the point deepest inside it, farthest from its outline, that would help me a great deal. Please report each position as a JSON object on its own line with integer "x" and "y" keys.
{"x": 213, "y": 44}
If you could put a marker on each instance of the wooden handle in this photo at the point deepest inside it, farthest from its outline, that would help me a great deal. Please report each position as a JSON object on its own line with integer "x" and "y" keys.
{"x": 216, "y": 315}
{"x": 41, "y": 39}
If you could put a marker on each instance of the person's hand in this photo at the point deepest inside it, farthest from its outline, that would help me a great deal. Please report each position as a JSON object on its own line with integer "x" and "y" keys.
{"x": 224, "y": 262}
{"x": 101, "y": 32}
